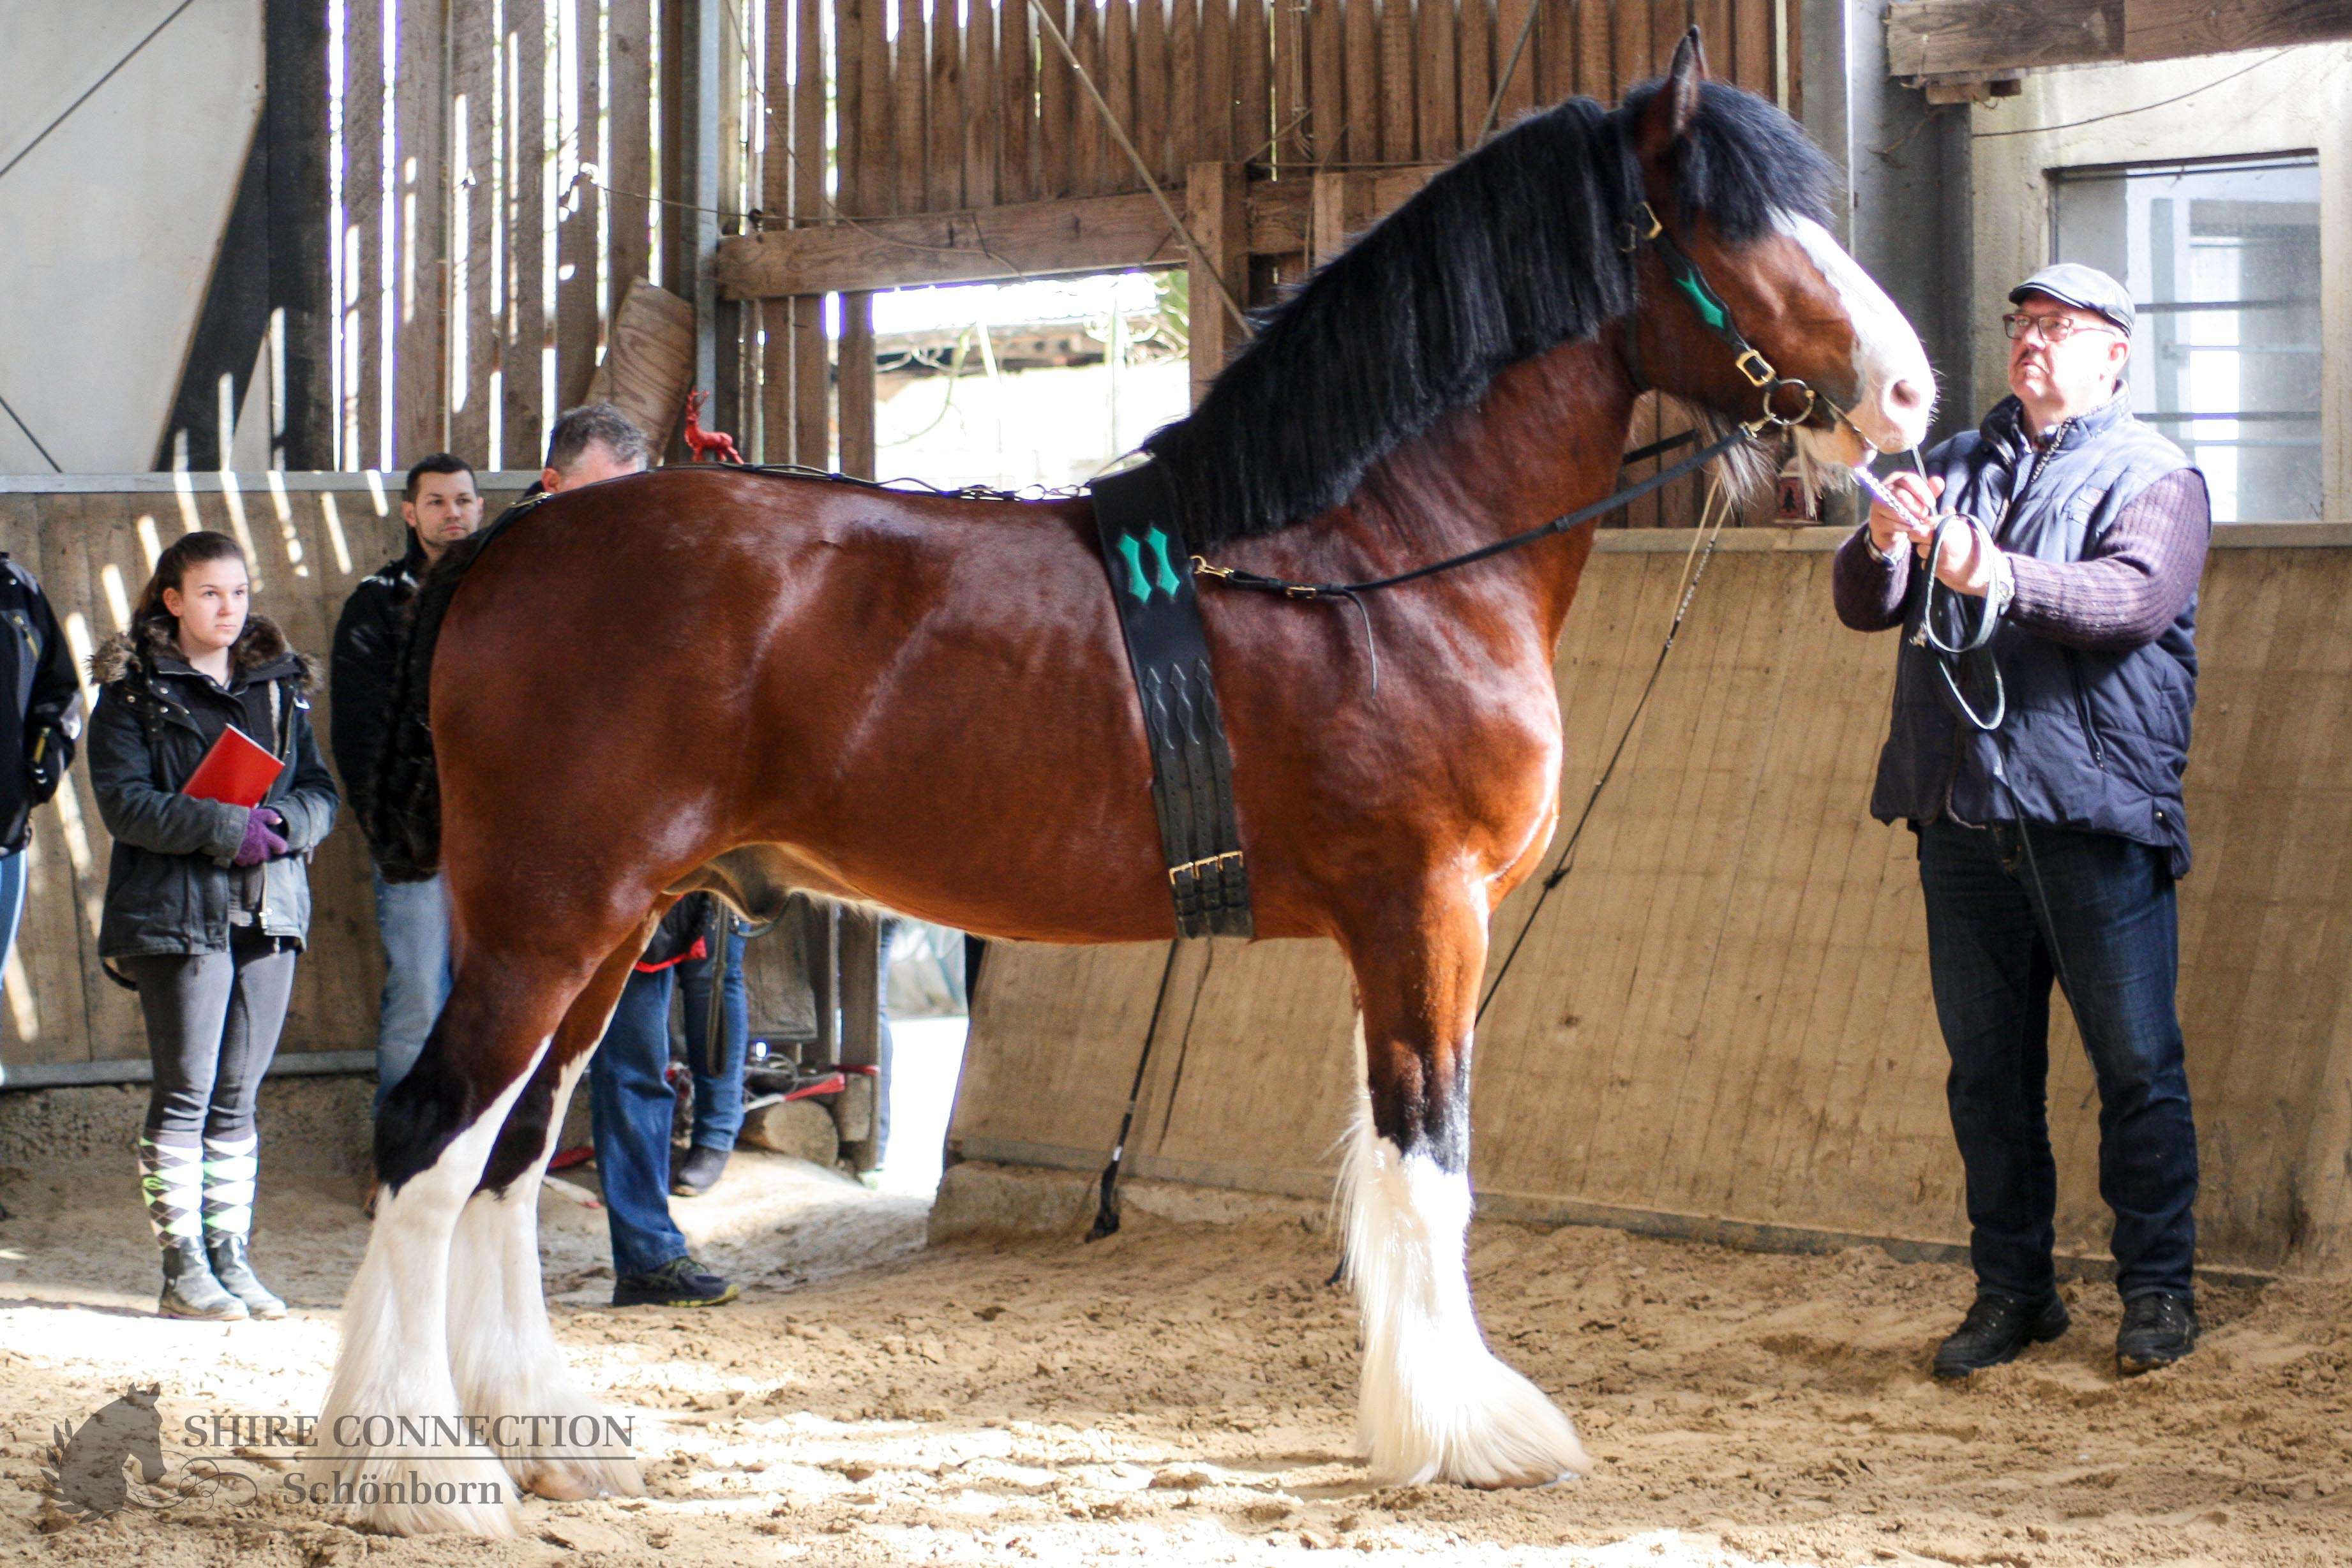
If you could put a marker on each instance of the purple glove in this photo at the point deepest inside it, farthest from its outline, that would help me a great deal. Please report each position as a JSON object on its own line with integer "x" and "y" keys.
{"x": 260, "y": 841}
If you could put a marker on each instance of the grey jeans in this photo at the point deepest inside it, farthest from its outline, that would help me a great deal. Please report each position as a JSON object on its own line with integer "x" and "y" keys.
{"x": 212, "y": 1027}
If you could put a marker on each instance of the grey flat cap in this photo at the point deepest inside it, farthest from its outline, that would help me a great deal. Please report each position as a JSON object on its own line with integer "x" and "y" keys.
{"x": 2083, "y": 288}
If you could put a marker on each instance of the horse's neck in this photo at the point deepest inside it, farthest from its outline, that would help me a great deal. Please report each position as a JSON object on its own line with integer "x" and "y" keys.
{"x": 1546, "y": 439}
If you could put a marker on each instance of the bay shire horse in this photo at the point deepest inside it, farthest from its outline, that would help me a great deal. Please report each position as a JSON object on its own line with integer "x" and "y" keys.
{"x": 751, "y": 683}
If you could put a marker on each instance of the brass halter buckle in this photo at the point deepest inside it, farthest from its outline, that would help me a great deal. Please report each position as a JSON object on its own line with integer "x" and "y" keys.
{"x": 1639, "y": 229}
{"x": 1758, "y": 370}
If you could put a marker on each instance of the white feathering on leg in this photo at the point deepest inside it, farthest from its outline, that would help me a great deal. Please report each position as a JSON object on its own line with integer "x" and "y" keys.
{"x": 504, "y": 1354}
{"x": 1435, "y": 1404}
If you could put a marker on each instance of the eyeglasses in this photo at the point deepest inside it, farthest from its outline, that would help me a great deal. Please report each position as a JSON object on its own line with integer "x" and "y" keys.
{"x": 2052, "y": 330}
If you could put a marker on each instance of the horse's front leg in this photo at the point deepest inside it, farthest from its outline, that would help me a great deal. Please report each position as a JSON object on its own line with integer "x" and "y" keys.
{"x": 1436, "y": 1403}
{"x": 510, "y": 1373}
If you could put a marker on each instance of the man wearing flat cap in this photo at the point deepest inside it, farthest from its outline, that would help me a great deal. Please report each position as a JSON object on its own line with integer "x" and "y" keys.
{"x": 2049, "y": 846}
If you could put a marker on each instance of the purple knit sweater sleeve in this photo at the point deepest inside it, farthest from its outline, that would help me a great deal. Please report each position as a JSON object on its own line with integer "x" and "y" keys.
{"x": 1867, "y": 591}
{"x": 2135, "y": 582}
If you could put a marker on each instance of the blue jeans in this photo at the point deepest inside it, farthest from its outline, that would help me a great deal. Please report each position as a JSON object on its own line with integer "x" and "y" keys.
{"x": 2100, "y": 917}
{"x": 413, "y": 917}
{"x": 633, "y": 1105}
{"x": 11, "y": 901}
{"x": 718, "y": 1098}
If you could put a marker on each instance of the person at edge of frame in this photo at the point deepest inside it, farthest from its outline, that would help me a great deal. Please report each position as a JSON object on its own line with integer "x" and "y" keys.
{"x": 630, "y": 1100}
{"x": 440, "y": 504}
{"x": 207, "y": 903}
{"x": 36, "y": 670}
{"x": 2049, "y": 850}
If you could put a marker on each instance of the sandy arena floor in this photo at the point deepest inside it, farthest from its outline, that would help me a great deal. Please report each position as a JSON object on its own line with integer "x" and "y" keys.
{"x": 1184, "y": 1394}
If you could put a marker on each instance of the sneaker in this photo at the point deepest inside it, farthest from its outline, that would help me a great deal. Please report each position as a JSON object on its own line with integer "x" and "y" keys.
{"x": 2159, "y": 1329}
{"x": 700, "y": 1172}
{"x": 1995, "y": 1330}
{"x": 680, "y": 1283}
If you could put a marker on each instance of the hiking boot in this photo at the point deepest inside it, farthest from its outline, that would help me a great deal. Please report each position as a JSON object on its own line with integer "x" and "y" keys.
{"x": 2159, "y": 1328}
{"x": 700, "y": 1172}
{"x": 680, "y": 1283}
{"x": 189, "y": 1289}
{"x": 1995, "y": 1330}
{"x": 233, "y": 1273}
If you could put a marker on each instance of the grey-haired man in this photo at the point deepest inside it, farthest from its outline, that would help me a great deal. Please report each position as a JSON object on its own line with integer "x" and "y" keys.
{"x": 2048, "y": 850}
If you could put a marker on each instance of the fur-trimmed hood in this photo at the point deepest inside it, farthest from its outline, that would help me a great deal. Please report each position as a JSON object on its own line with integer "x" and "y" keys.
{"x": 154, "y": 639}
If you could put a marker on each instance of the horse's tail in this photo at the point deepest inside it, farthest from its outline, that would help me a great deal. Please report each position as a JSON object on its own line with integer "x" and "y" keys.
{"x": 404, "y": 814}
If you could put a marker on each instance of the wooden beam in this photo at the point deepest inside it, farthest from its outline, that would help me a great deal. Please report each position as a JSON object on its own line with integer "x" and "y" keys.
{"x": 1216, "y": 199}
{"x": 1952, "y": 38}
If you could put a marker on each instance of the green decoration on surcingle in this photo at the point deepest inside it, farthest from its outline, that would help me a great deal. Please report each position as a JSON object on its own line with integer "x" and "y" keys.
{"x": 1169, "y": 584}
{"x": 1138, "y": 585}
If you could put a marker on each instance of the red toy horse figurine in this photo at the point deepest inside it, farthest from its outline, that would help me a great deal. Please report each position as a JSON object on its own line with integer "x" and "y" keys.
{"x": 708, "y": 446}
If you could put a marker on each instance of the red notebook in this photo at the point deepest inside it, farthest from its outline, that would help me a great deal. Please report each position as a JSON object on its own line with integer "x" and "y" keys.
{"x": 238, "y": 770}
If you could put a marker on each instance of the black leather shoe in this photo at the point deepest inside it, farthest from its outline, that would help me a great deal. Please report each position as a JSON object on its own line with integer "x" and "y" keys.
{"x": 2159, "y": 1329}
{"x": 699, "y": 1172}
{"x": 189, "y": 1289}
{"x": 1995, "y": 1330}
{"x": 234, "y": 1271}
{"x": 680, "y": 1283}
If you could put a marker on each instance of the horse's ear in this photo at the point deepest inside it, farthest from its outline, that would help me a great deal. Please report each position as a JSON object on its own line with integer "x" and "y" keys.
{"x": 1669, "y": 115}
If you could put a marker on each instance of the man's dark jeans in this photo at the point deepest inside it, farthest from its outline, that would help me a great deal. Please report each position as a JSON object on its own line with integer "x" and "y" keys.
{"x": 2107, "y": 904}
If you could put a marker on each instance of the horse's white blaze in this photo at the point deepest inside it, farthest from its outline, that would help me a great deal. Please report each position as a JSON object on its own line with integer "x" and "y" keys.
{"x": 1888, "y": 353}
{"x": 503, "y": 1353}
{"x": 1436, "y": 1403}
{"x": 394, "y": 1360}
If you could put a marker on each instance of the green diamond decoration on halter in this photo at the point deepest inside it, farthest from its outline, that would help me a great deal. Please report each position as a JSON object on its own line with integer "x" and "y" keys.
{"x": 1710, "y": 308}
{"x": 1138, "y": 583}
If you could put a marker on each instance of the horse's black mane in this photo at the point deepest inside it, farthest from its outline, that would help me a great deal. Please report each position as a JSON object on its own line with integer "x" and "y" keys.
{"x": 1511, "y": 252}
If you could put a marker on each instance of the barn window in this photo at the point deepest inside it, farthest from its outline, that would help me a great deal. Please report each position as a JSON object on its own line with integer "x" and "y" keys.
{"x": 2222, "y": 257}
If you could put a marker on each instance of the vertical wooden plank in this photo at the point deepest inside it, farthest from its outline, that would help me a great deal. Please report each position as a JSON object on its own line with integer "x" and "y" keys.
{"x": 981, "y": 126}
{"x": 1589, "y": 45}
{"x": 419, "y": 221}
{"x": 857, "y": 385}
{"x": 776, "y": 178}
{"x": 576, "y": 241}
{"x": 1713, "y": 18}
{"x": 1055, "y": 93}
{"x": 629, "y": 160}
{"x": 811, "y": 385}
{"x": 1216, "y": 69}
{"x": 1184, "y": 82}
{"x": 1253, "y": 71}
{"x": 1117, "y": 85}
{"x": 1216, "y": 202}
{"x": 476, "y": 294}
{"x": 943, "y": 184}
{"x": 1016, "y": 78}
{"x": 1630, "y": 45}
{"x": 1289, "y": 85}
{"x": 1089, "y": 145}
{"x": 1518, "y": 88}
{"x": 1327, "y": 85}
{"x": 1340, "y": 204}
{"x": 364, "y": 297}
{"x": 1751, "y": 65}
{"x": 1361, "y": 22}
{"x": 1396, "y": 137}
{"x": 909, "y": 72}
{"x": 1789, "y": 53}
{"x": 522, "y": 421}
{"x": 1475, "y": 63}
{"x": 1440, "y": 97}
{"x": 1154, "y": 137}
{"x": 877, "y": 111}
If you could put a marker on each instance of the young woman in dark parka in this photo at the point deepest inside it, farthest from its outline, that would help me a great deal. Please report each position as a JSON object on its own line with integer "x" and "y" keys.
{"x": 207, "y": 903}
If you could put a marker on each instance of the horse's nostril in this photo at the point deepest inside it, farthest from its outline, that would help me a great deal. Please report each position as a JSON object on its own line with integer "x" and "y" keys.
{"x": 1904, "y": 395}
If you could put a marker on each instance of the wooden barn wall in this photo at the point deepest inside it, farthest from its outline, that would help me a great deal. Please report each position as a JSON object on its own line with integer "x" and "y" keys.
{"x": 92, "y": 552}
{"x": 1721, "y": 1023}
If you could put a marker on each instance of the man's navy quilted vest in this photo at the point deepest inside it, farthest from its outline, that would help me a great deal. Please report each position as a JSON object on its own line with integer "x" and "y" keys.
{"x": 2095, "y": 739}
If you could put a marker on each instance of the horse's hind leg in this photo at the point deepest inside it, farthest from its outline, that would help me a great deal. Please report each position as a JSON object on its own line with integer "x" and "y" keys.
{"x": 512, "y": 1378}
{"x": 397, "y": 1455}
{"x": 1436, "y": 1403}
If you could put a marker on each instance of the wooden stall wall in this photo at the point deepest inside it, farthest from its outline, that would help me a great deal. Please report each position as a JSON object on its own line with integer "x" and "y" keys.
{"x": 92, "y": 552}
{"x": 1721, "y": 1025}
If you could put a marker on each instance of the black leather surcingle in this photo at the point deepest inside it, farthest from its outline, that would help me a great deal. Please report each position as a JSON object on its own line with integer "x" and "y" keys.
{"x": 1192, "y": 768}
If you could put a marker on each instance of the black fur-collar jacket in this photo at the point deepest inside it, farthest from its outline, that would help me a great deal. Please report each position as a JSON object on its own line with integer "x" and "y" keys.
{"x": 170, "y": 886}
